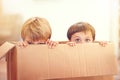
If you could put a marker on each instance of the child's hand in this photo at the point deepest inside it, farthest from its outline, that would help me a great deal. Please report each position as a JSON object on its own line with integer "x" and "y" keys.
{"x": 51, "y": 44}
{"x": 22, "y": 44}
{"x": 103, "y": 43}
{"x": 71, "y": 44}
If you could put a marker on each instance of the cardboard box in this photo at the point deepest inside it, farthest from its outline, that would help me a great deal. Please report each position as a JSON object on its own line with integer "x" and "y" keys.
{"x": 81, "y": 62}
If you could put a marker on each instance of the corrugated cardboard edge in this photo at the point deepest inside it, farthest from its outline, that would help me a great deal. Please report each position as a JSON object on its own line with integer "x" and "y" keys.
{"x": 4, "y": 48}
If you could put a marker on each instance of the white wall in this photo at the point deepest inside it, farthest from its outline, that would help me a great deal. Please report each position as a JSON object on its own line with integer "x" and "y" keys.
{"x": 102, "y": 14}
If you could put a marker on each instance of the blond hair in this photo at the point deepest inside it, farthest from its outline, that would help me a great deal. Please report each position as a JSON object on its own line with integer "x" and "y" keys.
{"x": 36, "y": 29}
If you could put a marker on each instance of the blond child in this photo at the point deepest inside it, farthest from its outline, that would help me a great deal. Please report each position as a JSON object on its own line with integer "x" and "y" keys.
{"x": 81, "y": 32}
{"x": 36, "y": 30}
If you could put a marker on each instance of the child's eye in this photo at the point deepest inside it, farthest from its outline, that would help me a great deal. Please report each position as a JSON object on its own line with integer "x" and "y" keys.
{"x": 77, "y": 40}
{"x": 87, "y": 40}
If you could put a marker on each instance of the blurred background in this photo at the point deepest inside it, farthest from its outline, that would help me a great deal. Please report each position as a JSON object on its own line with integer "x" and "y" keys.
{"x": 104, "y": 15}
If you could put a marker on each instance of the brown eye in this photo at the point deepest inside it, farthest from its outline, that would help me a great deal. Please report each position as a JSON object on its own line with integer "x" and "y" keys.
{"x": 77, "y": 40}
{"x": 87, "y": 40}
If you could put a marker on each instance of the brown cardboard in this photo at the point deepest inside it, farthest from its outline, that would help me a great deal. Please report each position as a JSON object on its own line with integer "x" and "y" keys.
{"x": 83, "y": 61}
{"x": 88, "y": 78}
{"x": 5, "y": 48}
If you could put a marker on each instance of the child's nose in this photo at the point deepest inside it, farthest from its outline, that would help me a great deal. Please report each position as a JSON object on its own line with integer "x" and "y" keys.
{"x": 82, "y": 41}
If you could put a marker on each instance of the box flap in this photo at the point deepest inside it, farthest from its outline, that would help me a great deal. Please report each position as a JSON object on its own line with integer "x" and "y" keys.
{"x": 4, "y": 48}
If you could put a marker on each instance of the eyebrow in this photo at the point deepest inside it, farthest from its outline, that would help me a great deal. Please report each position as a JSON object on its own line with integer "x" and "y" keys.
{"x": 88, "y": 36}
{"x": 76, "y": 36}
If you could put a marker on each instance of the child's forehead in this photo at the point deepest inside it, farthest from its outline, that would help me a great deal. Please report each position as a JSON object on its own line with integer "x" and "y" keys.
{"x": 27, "y": 38}
{"x": 89, "y": 33}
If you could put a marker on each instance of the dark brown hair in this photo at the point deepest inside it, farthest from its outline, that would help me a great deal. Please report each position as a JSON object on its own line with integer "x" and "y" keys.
{"x": 80, "y": 27}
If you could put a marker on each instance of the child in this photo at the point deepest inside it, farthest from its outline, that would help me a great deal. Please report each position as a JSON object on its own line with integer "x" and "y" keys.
{"x": 36, "y": 31}
{"x": 81, "y": 32}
